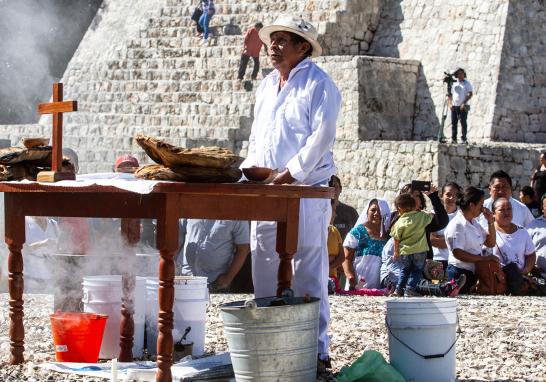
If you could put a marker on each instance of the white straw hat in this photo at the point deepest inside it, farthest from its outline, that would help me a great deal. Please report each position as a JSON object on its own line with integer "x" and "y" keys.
{"x": 290, "y": 24}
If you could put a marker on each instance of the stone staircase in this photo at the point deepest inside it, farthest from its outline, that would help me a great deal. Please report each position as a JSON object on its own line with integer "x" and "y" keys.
{"x": 161, "y": 81}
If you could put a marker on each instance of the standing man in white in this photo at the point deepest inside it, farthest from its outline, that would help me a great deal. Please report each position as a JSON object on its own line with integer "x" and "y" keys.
{"x": 461, "y": 94}
{"x": 294, "y": 131}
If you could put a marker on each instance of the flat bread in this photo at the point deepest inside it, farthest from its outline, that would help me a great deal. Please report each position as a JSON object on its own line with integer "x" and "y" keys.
{"x": 19, "y": 171}
{"x": 38, "y": 155}
{"x": 173, "y": 156}
{"x": 189, "y": 174}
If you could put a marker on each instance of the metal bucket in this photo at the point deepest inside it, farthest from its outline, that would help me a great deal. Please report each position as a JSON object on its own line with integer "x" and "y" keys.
{"x": 273, "y": 339}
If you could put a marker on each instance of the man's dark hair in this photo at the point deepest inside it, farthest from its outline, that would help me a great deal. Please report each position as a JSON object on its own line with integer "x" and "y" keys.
{"x": 258, "y": 25}
{"x": 405, "y": 202}
{"x": 470, "y": 194}
{"x": 500, "y": 175}
{"x": 296, "y": 38}
{"x": 333, "y": 180}
{"x": 528, "y": 190}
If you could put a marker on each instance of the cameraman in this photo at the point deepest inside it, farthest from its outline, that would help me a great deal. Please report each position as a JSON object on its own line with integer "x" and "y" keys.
{"x": 460, "y": 95}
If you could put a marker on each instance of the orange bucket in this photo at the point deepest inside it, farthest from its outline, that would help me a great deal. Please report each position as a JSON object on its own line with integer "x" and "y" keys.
{"x": 77, "y": 336}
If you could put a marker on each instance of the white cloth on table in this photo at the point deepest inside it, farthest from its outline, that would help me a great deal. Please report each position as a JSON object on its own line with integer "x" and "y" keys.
{"x": 294, "y": 128}
{"x": 465, "y": 235}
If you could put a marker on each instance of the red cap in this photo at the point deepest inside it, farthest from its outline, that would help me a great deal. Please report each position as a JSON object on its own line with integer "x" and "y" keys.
{"x": 126, "y": 161}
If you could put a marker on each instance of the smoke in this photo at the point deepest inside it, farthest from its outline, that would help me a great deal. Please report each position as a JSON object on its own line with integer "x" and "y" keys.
{"x": 38, "y": 39}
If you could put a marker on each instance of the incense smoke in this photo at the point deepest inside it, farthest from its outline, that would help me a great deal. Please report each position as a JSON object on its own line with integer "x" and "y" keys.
{"x": 38, "y": 39}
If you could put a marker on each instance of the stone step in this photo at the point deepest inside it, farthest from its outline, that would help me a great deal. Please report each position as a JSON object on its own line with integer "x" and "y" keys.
{"x": 93, "y": 86}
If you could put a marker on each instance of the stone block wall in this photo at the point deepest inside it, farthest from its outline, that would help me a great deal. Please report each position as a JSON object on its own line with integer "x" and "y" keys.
{"x": 380, "y": 168}
{"x": 378, "y": 96}
{"x": 443, "y": 35}
{"x": 520, "y": 105}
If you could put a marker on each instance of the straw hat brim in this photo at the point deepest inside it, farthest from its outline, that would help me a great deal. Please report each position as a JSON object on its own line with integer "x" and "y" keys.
{"x": 265, "y": 34}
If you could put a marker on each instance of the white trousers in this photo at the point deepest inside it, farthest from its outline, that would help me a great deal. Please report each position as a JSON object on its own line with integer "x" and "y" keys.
{"x": 310, "y": 263}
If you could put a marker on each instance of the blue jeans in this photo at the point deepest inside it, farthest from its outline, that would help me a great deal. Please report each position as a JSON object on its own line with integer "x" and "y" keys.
{"x": 204, "y": 21}
{"x": 412, "y": 271}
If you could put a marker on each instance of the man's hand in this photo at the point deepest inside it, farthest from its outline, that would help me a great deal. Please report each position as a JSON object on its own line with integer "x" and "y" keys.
{"x": 223, "y": 282}
{"x": 283, "y": 178}
{"x": 462, "y": 107}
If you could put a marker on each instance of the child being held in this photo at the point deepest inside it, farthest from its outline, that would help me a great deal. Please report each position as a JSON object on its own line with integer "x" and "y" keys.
{"x": 410, "y": 244}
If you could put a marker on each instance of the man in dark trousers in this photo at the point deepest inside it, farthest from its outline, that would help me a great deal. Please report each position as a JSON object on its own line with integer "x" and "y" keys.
{"x": 461, "y": 93}
{"x": 251, "y": 48}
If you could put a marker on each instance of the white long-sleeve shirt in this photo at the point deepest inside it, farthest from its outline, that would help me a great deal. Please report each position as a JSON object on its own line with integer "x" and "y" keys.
{"x": 294, "y": 128}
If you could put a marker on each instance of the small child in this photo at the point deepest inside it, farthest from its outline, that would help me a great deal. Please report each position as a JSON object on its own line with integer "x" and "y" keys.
{"x": 336, "y": 256}
{"x": 410, "y": 244}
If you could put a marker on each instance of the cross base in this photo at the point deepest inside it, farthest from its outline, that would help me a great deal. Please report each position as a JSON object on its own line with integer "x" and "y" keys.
{"x": 54, "y": 176}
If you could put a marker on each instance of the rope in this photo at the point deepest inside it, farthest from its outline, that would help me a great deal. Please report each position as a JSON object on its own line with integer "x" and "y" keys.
{"x": 419, "y": 354}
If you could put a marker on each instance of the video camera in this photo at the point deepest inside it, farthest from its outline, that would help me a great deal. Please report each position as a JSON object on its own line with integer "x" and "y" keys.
{"x": 449, "y": 79}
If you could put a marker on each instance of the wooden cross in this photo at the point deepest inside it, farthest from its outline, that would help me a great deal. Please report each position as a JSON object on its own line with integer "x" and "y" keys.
{"x": 57, "y": 108}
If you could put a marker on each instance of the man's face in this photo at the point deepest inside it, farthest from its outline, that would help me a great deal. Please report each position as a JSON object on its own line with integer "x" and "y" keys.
{"x": 500, "y": 188}
{"x": 460, "y": 75}
{"x": 285, "y": 53}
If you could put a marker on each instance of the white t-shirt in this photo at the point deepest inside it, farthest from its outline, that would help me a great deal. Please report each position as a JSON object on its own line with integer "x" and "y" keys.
{"x": 537, "y": 230}
{"x": 521, "y": 216}
{"x": 442, "y": 253}
{"x": 514, "y": 247}
{"x": 465, "y": 235}
{"x": 460, "y": 90}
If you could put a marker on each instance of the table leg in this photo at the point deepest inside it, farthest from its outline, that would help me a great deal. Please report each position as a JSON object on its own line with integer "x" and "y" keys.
{"x": 130, "y": 229}
{"x": 167, "y": 243}
{"x": 15, "y": 237}
{"x": 287, "y": 244}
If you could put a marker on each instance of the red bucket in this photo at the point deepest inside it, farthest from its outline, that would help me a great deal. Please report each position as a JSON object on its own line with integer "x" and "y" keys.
{"x": 77, "y": 336}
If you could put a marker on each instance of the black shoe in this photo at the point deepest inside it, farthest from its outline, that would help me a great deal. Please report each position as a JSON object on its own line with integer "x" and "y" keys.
{"x": 323, "y": 365}
{"x": 453, "y": 140}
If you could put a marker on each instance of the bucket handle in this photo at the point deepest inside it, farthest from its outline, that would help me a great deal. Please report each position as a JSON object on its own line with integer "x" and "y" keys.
{"x": 431, "y": 356}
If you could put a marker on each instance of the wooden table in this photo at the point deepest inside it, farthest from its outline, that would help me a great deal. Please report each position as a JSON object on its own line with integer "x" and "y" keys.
{"x": 168, "y": 202}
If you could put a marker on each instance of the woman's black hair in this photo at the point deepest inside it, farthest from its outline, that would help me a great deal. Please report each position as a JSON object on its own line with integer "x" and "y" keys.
{"x": 470, "y": 194}
{"x": 452, "y": 185}
{"x": 407, "y": 190}
{"x": 494, "y": 205}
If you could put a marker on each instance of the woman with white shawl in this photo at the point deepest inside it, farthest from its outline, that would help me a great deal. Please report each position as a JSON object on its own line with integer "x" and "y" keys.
{"x": 364, "y": 244}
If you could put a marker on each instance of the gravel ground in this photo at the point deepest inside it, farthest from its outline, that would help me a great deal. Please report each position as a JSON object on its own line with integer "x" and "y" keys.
{"x": 503, "y": 338}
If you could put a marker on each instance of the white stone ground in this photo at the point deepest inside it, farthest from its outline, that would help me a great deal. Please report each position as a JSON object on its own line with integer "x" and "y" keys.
{"x": 503, "y": 338}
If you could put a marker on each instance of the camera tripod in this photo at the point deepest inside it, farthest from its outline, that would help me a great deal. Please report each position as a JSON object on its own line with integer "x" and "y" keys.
{"x": 448, "y": 80}
{"x": 445, "y": 110}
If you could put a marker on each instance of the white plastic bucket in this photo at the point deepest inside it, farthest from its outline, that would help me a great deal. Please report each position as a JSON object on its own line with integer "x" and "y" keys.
{"x": 191, "y": 297}
{"x": 102, "y": 294}
{"x": 422, "y": 336}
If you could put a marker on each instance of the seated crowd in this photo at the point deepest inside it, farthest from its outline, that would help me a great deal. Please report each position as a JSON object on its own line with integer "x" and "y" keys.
{"x": 401, "y": 251}
{"x": 466, "y": 244}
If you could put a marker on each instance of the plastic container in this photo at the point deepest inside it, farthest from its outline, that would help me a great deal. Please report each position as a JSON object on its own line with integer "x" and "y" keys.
{"x": 77, "y": 336}
{"x": 191, "y": 297}
{"x": 102, "y": 294}
{"x": 422, "y": 336}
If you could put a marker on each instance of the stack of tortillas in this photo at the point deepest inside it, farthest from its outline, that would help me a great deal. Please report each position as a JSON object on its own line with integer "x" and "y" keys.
{"x": 202, "y": 164}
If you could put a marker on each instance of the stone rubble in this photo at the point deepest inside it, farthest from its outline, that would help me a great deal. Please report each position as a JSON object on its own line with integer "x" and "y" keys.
{"x": 503, "y": 338}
